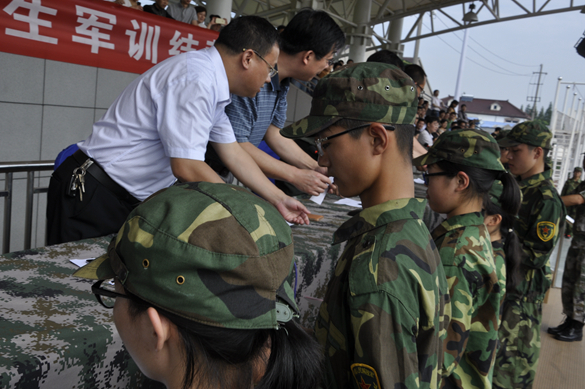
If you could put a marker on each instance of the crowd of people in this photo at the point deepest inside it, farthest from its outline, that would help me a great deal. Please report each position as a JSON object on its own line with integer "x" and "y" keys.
{"x": 409, "y": 305}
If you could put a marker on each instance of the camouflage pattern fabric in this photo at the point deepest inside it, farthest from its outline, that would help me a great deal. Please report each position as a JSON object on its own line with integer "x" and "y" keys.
{"x": 472, "y": 333}
{"x": 537, "y": 227}
{"x": 468, "y": 147}
{"x": 573, "y": 287}
{"x": 500, "y": 262}
{"x": 54, "y": 334}
{"x": 568, "y": 188}
{"x": 373, "y": 92}
{"x": 380, "y": 321}
{"x": 533, "y": 133}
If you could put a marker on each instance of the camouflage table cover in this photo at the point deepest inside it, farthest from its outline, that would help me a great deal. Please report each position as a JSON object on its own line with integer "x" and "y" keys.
{"x": 54, "y": 334}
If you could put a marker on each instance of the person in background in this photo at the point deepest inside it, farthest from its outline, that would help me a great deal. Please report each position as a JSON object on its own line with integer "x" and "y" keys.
{"x": 216, "y": 23}
{"x": 183, "y": 12}
{"x": 377, "y": 328}
{"x": 538, "y": 224}
{"x": 442, "y": 127}
{"x": 452, "y": 106}
{"x": 570, "y": 185}
{"x": 158, "y": 8}
{"x": 307, "y": 47}
{"x": 387, "y": 56}
{"x": 436, "y": 103}
{"x": 190, "y": 306}
{"x": 419, "y": 77}
{"x": 451, "y": 119}
{"x": 349, "y": 61}
{"x": 462, "y": 166}
{"x": 462, "y": 113}
{"x": 426, "y": 135}
{"x": 201, "y": 15}
{"x": 130, "y": 3}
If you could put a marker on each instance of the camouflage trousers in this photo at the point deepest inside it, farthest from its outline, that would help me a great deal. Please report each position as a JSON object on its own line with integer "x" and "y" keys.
{"x": 573, "y": 289}
{"x": 519, "y": 335}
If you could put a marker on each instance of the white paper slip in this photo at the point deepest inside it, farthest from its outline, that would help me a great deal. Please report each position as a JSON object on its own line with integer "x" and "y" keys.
{"x": 350, "y": 202}
{"x": 570, "y": 219}
{"x": 319, "y": 199}
{"x": 419, "y": 181}
{"x": 290, "y": 224}
{"x": 81, "y": 262}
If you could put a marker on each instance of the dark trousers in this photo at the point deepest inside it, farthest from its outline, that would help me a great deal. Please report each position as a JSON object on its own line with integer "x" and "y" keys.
{"x": 101, "y": 212}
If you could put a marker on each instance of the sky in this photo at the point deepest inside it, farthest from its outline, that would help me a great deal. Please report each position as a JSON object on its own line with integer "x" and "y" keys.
{"x": 547, "y": 40}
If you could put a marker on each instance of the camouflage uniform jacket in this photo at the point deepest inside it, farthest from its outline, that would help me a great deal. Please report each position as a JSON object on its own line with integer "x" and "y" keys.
{"x": 570, "y": 186}
{"x": 579, "y": 225}
{"x": 500, "y": 261}
{"x": 537, "y": 227}
{"x": 470, "y": 347}
{"x": 379, "y": 322}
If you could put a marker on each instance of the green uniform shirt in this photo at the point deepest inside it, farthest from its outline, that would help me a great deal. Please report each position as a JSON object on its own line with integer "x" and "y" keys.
{"x": 379, "y": 322}
{"x": 570, "y": 186}
{"x": 537, "y": 227}
{"x": 500, "y": 261}
{"x": 472, "y": 334}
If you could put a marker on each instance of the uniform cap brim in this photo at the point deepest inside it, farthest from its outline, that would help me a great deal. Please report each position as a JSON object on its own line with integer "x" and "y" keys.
{"x": 98, "y": 269}
{"x": 309, "y": 126}
{"x": 508, "y": 142}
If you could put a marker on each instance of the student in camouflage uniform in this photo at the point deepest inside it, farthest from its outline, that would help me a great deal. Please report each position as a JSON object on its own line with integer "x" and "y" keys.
{"x": 573, "y": 288}
{"x": 537, "y": 227}
{"x": 462, "y": 167}
{"x": 379, "y": 323}
{"x": 570, "y": 185}
{"x": 201, "y": 292}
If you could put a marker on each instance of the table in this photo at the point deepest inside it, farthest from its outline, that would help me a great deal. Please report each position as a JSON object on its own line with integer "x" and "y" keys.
{"x": 54, "y": 334}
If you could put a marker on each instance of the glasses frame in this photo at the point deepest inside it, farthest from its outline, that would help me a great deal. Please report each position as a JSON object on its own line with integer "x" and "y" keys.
{"x": 319, "y": 141}
{"x": 98, "y": 291}
{"x": 272, "y": 71}
{"x": 427, "y": 175}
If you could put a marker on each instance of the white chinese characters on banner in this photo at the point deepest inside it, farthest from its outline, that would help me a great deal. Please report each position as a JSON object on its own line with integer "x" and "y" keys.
{"x": 90, "y": 27}
{"x": 147, "y": 43}
{"x": 182, "y": 45}
{"x": 34, "y": 9}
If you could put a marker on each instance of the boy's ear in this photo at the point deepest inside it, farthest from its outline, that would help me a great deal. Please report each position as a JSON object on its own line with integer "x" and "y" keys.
{"x": 161, "y": 327}
{"x": 538, "y": 152}
{"x": 381, "y": 138}
{"x": 493, "y": 220}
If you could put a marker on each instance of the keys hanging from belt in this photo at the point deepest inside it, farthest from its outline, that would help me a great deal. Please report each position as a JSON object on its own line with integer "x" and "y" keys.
{"x": 78, "y": 179}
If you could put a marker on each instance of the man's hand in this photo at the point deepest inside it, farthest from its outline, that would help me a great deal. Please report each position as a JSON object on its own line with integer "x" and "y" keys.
{"x": 310, "y": 181}
{"x": 292, "y": 210}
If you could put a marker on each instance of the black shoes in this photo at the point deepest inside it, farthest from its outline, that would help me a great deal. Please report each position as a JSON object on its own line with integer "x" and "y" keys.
{"x": 559, "y": 328}
{"x": 573, "y": 332}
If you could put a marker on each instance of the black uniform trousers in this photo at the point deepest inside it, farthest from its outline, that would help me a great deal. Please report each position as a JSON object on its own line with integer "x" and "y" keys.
{"x": 102, "y": 211}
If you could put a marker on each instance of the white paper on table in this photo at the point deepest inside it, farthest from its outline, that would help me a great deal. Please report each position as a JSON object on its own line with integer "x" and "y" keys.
{"x": 81, "y": 262}
{"x": 290, "y": 224}
{"x": 319, "y": 199}
{"x": 350, "y": 202}
{"x": 570, "y": 219}
{"x": 419, "y": 181}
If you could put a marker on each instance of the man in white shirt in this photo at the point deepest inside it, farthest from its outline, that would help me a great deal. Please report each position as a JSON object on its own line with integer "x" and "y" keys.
{"x": 157, "y": 131}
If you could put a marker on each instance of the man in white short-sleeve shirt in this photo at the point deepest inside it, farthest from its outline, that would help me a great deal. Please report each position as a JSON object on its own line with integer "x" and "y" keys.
{"x": 157, "y": 131}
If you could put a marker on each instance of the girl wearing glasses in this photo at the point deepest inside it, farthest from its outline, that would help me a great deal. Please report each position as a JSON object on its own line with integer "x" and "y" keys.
{"x": 462, "y": 167}
{"x": 201, "y": 297}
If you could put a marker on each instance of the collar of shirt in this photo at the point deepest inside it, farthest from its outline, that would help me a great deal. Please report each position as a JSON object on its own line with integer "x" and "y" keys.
{"x": 459, "y": 221}
{"x": 223, "y": 86}
{"x": 275, "y": 81}
{"x": 379, "y": 215}
{"x": 535, "y": 179}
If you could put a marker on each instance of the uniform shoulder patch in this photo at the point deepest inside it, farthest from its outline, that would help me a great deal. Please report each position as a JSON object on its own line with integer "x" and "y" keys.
{"x": 545, "y": 231}
{"x": 365, "y": 376}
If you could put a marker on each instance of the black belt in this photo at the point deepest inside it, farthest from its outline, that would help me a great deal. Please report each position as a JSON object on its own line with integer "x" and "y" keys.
{"x": 102, "y": 177}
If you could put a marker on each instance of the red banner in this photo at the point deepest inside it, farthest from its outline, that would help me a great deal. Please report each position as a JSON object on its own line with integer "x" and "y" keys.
{"x": 95, "y": 33}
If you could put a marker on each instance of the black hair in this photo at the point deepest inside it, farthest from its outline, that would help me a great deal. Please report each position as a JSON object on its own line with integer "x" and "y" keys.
{"x": 280, "y": 28}
{"x": 443, "y": 121}
{"x": 312, "y": 30}
{"x": 225, "y": 358}
{"x": 214, "y": 16}
{"x": 387, "y": 56}
{"x": 544, "y": 151}
{"x": 416, "y": 73}
{"x": 512, "y": 246}
{"x": 463, "y": 105}
{"x": 430, "y": 119}
{"x": 248, "y": 32}
{"x": 454, "y": 102}
{"x": 199, "y": 9}
{"x": 404, "y": 135}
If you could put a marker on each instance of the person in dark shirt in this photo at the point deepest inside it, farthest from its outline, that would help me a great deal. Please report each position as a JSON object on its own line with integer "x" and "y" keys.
{"x": 158, "y": 8}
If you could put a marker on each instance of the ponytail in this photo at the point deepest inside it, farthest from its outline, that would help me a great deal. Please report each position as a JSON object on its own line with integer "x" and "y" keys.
{"x": 511, "y": 199}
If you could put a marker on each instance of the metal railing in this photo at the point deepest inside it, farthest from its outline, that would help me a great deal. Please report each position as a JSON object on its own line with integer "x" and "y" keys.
{"x": 9, "y": 168}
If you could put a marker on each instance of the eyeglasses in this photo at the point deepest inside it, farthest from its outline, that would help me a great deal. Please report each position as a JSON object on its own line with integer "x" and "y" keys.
{"x": 427, "y": 175}
{"x": 107, "y": 297}
{"x": 319, "y": 141}
{"x": 331, "y": 62}
{"x": 272, "y": 71}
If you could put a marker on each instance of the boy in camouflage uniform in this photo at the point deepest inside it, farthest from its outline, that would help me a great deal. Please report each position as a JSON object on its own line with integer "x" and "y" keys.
{"x": 573, "y": 289}
{"x": 537, "y": 227}
{"x": 380, "y": 322}
{"x": 568, "y": 188}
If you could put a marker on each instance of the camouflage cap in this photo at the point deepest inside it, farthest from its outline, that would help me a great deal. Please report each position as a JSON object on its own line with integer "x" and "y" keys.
{"x": 211, "y": 253}
{"x": 533, "y": 133}
{"x": 578, "y": 169}
{"x": 502, "y": 134}
{"x": 496, "y": 192}
{"x": 370, "y": 91}
{"x": 465, "y": 146}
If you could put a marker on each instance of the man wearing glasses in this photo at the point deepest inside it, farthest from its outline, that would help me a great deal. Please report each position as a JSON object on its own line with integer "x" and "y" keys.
{"x": 380, "y": 321}
{"x": 157, "y": 132}
{"x": 307, "y": 46}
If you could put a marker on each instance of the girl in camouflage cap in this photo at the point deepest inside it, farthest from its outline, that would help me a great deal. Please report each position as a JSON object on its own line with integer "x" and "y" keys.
{"x": 462, "y": 166}
{"x": 202, "y": 296}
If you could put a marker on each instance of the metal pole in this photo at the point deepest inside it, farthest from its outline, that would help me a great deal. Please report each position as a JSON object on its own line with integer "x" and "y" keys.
{"x": 395, "y": 34}
{"x": 559, "y": 143}
{"x": 417, "y": 43}
{"x": 461, "y": 65}
{"x": 361, "y": 17}
{"x": 30, "y": 187}
{"x": 553, "y": 119}
{"x": 567, "y": 152}
{"x": 7, "y": 213}
{"x": 579, "y": 149}
{"x": 536, "y": 94}
{"x": 564, "y": 107}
